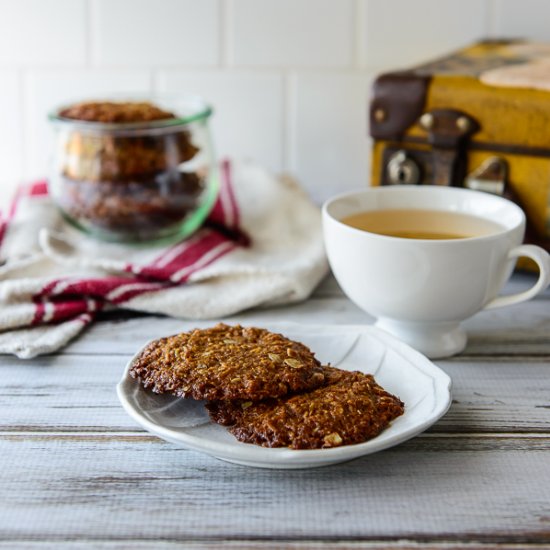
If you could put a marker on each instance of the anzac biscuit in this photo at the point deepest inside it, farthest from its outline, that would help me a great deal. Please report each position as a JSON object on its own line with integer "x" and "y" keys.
{"x": 112, "y": 111}
{"x": 350, "y": 408}
{"x": 227, "y": 362}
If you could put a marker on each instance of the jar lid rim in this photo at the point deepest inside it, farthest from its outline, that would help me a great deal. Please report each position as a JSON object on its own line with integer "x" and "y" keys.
{"x": 200, "y": 111}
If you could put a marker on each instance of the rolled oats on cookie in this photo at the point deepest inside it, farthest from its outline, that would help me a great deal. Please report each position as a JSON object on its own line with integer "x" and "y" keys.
{"x": 226, "y": 363}
{"x": 349, "y": 408}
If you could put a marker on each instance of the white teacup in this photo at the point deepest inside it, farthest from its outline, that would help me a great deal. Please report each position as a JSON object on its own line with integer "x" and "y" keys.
{"x": 420, "y": 290}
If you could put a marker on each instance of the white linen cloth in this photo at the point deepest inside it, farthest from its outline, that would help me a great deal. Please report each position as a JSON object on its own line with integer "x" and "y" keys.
{"x": 261, "y": 246}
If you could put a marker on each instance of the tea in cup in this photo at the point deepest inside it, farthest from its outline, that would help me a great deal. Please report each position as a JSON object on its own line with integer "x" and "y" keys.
{"x": 422, "y": 259}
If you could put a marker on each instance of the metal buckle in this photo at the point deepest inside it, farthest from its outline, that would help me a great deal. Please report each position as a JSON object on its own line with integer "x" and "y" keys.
{"x": 490, "y": 176}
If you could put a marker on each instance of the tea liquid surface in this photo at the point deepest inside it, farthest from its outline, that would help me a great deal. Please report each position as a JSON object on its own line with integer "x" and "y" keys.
{"x": 422, "y": 224}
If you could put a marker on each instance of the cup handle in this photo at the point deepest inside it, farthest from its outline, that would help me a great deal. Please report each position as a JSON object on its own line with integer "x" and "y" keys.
{"x": 542, "y": 259}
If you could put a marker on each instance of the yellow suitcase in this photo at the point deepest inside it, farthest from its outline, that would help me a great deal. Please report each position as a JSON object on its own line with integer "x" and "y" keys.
{"x": 478, "y": 118}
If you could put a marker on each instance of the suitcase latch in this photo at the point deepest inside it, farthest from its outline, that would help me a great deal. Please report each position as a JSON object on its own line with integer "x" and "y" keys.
{"x": 490, "y": 176}
{"x": 402, "y": 169}
{"x": 448, "y": 132}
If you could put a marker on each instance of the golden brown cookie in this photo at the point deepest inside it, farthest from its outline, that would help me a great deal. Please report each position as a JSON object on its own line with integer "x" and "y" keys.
{"x": 350, "y": 408}
{"x": 113, "y": 111}
{"x": 227, "y": 362}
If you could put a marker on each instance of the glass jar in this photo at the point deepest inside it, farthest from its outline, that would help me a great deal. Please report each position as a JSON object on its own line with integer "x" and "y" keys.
{"x": 136, "y": 181}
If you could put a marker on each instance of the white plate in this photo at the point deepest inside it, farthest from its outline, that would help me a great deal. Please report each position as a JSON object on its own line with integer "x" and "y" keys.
{"x": 424, "y": 388}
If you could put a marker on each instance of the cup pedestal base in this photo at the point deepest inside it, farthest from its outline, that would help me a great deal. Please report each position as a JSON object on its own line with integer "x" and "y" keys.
{"x": 435, "y": 340}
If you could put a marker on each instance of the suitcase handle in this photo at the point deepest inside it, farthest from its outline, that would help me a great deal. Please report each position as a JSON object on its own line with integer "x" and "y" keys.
{"x": 542, "y": 259}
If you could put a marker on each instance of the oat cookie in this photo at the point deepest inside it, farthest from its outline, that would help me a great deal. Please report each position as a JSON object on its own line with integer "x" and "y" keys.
{"x": 350, "y": 408}
{"x": 112, "y": 111}
{"x": 227, "y": 362}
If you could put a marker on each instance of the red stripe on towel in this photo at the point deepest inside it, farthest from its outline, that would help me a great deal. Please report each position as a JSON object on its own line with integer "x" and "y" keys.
{"x": 3, "y": 227}
{"x": 56, "y": 310}
{"x": 187, "y": 257}
{"x": 4, "y": 224}
{"x": 74, "y": 308}
{"x": 214, "y": 254}
{"x": 97, "y": 287}
{"x": 36, "y": 189}
{"x": 40, "y": 308}
{"x": 39, "y": 188}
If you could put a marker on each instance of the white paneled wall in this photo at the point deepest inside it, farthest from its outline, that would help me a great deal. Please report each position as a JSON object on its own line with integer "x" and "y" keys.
{"x": 154, "y": 33}
{"x": 249, "y": 115}
{"x": 400, "y": 33}
{"x": 288, "y": 79}
{"x": 291, "y": 33}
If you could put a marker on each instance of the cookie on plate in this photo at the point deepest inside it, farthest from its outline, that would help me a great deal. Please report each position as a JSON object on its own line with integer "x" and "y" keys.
{"x": 350, "y": 408}
{"x": 227, "y": 362}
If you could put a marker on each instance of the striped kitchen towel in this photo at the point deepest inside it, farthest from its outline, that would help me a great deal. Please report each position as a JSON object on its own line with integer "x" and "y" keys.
{"x": 262, "y": 245}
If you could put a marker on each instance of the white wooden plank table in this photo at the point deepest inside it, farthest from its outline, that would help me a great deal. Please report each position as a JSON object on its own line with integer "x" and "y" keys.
{"x": 77, "y": 472}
